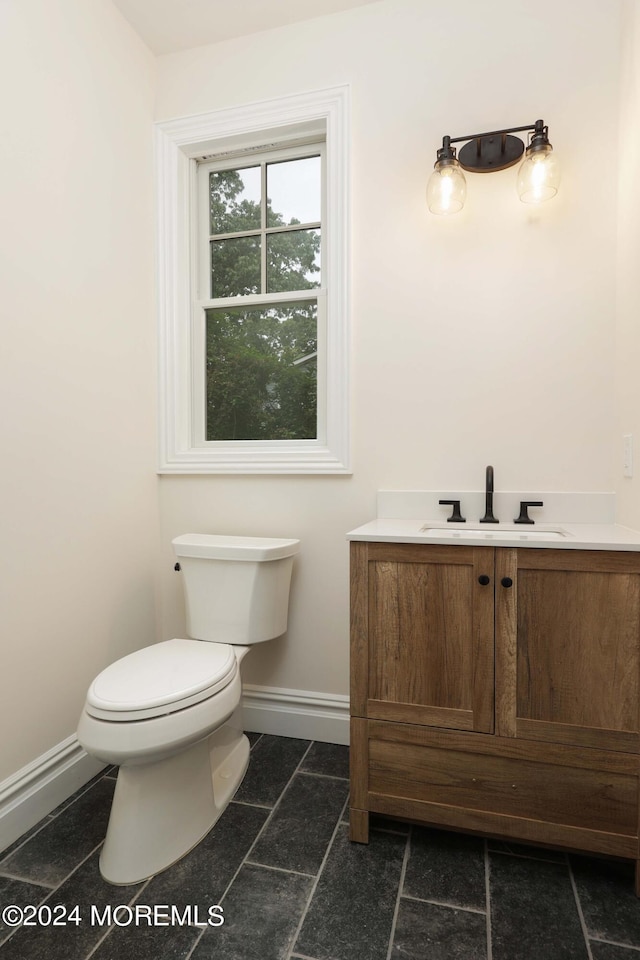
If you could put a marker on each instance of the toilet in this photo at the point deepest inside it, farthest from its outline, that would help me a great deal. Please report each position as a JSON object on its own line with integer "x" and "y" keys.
{"x": 169, "y": 715}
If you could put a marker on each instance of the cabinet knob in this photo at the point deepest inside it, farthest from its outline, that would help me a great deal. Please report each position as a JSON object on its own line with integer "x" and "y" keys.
{"x": 506, "y": 582}
{"x": 483, "y": 579}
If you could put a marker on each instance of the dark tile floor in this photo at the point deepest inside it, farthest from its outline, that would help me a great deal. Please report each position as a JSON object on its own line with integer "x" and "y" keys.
{"x": 290, "y": 885}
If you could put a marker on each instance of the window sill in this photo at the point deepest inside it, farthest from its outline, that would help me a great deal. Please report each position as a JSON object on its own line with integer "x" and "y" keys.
{"x": 318, "y": 460}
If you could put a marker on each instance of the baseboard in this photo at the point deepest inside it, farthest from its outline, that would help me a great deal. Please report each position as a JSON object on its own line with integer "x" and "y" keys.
{"x": 37, "y": 789}
{"x": 30, "y": 794}
{"x": 296, "y": 713}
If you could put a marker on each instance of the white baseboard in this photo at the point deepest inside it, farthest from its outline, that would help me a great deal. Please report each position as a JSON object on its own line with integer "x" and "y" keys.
{"x": 296, "y": 713}
{"x": 30, "y": 794}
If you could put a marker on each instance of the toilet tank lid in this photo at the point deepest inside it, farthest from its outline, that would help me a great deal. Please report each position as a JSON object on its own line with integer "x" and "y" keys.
{"x": 218, "y": 547}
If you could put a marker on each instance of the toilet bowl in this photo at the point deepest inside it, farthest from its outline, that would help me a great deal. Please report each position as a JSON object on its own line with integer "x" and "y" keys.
{"x": 169, "y": 715}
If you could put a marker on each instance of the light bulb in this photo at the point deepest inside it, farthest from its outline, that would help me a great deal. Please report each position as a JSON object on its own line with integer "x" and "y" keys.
{"x": 447, "y": 188}
{"x": 539, "y": 175}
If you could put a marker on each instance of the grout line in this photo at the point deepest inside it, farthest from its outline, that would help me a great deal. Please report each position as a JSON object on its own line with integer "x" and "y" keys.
{"x": 266, "y": 866}
{"x": 260, "y": 806}
{"x": 583, "y": 923}
{"x": 444, "y": 903}
{"x": 405, "y": 861}
{"x": 195, "y": 943}
{"x": 614, "y": 943}
{"x": 36, "y": 883}
{"x": 487, "y": 887}
{"x": 326, "y": 776}
{"x": 111, "y": 929}
{"x": 314, "y": 885}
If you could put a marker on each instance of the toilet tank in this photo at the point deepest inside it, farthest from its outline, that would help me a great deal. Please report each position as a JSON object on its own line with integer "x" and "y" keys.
{"x": 236, "y": 588}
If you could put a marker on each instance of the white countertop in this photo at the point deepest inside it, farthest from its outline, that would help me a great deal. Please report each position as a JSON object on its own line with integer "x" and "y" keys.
{"x": 560, "y": 536}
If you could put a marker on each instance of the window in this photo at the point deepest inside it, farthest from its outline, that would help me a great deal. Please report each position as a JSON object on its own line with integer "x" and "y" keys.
{"x": 253, "y": 288}
{"x": 260, "y": 285}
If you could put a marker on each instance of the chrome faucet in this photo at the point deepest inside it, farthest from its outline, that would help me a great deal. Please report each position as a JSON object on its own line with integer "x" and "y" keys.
{"x": 488, "y": 510}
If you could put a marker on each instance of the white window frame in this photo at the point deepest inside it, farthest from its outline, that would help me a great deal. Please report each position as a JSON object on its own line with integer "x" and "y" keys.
{"x": 179, "y": 144}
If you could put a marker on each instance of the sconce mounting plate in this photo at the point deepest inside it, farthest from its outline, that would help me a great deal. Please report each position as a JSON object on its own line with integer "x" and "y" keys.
{"x": 497, "y": 151}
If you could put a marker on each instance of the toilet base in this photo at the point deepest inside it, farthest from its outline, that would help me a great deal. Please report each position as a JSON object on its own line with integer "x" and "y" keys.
{"x": 162, "y": 810}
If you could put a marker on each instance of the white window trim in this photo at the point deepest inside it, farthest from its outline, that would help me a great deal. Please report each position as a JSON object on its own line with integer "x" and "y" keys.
{"x": 178, "y": 144}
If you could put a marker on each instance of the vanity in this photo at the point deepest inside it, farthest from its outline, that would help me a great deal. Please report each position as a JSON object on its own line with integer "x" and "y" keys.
{"x": 495, "y": 680}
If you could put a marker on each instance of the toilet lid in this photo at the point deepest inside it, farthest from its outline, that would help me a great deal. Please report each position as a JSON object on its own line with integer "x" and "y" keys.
{"x": 161, "y": 679}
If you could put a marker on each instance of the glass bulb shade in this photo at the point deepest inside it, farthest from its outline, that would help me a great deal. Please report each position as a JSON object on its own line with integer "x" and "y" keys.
{"x": 538, "y": 176}
{"x": 447, "y": 188}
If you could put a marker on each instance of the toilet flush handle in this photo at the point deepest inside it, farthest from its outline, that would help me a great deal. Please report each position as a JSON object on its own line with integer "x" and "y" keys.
{"x": 177, "y": 568}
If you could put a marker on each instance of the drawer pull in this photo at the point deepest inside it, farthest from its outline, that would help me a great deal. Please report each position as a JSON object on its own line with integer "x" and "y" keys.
{"x": 483, "y": 579}
{"x": 506, "y": 582}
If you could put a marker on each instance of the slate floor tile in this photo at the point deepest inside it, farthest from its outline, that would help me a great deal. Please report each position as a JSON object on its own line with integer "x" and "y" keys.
{"x": 302, "y": 824}
{"x": 272, "y": 763}
{"x": 10, "y": 848}
{"x": 606, "y": 890}
{"x": 427, "y": 930}
{"x": 533, "y": 911}
{"x": 84, "y": 889}
{"x": 351, "y": 912}
{"x": 148, "y": 943}
{"x": 83, "y": 789}
{"x": 52, "y": 853}
{"x": 20, "y": 893}
{"x": 261, "y": 915}
{"x": 201, "y": 878}
{"x": 446, "y": 867}
{"x": 330, "y": 759}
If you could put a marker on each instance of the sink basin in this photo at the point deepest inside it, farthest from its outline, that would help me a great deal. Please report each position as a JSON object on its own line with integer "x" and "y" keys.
{"x": 497, "y": 532}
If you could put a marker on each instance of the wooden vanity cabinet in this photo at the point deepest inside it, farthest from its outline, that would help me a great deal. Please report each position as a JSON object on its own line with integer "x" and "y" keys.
{"x": 496, "y": 691}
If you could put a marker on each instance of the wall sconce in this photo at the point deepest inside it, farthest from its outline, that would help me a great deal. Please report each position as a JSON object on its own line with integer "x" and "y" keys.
{"x": 538, "y": 176}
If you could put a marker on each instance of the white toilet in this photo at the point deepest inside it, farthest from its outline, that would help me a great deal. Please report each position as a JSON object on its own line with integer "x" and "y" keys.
{"x": 169, "y": 715}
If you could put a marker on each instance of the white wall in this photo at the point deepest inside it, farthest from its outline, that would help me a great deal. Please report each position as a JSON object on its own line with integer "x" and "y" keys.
{"x": 78, "y": 497}
{"x": 487, "y": 338}
{"x": 628, "y": 340}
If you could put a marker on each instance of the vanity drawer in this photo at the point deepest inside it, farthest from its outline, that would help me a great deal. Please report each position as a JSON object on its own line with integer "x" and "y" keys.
{"x": 554, "y": 794}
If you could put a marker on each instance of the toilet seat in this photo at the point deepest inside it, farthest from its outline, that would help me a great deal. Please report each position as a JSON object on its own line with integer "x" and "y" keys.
{"x": 161, "y": 679}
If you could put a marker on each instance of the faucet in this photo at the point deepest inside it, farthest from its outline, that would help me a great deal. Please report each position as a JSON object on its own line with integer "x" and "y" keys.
{"x": 488, "y": 511}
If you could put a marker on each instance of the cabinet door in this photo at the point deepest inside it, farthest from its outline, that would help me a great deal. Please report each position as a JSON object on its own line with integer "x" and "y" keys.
{"x": 422, "y": 634}
{"x": 568, "y": 646}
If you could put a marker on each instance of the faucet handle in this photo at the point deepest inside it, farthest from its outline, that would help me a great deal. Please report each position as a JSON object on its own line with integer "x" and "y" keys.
{"x": 456, "y": 516}
{"x": 524, "y": 507}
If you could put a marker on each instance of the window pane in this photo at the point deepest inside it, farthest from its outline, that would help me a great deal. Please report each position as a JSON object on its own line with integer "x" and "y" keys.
{"x": 293, "y": 260}
{"x": 235, "y": 267}
{"x": 293, "y": 191}
{"x": 262, "y": 372}
{"x": 234, "y": 200}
